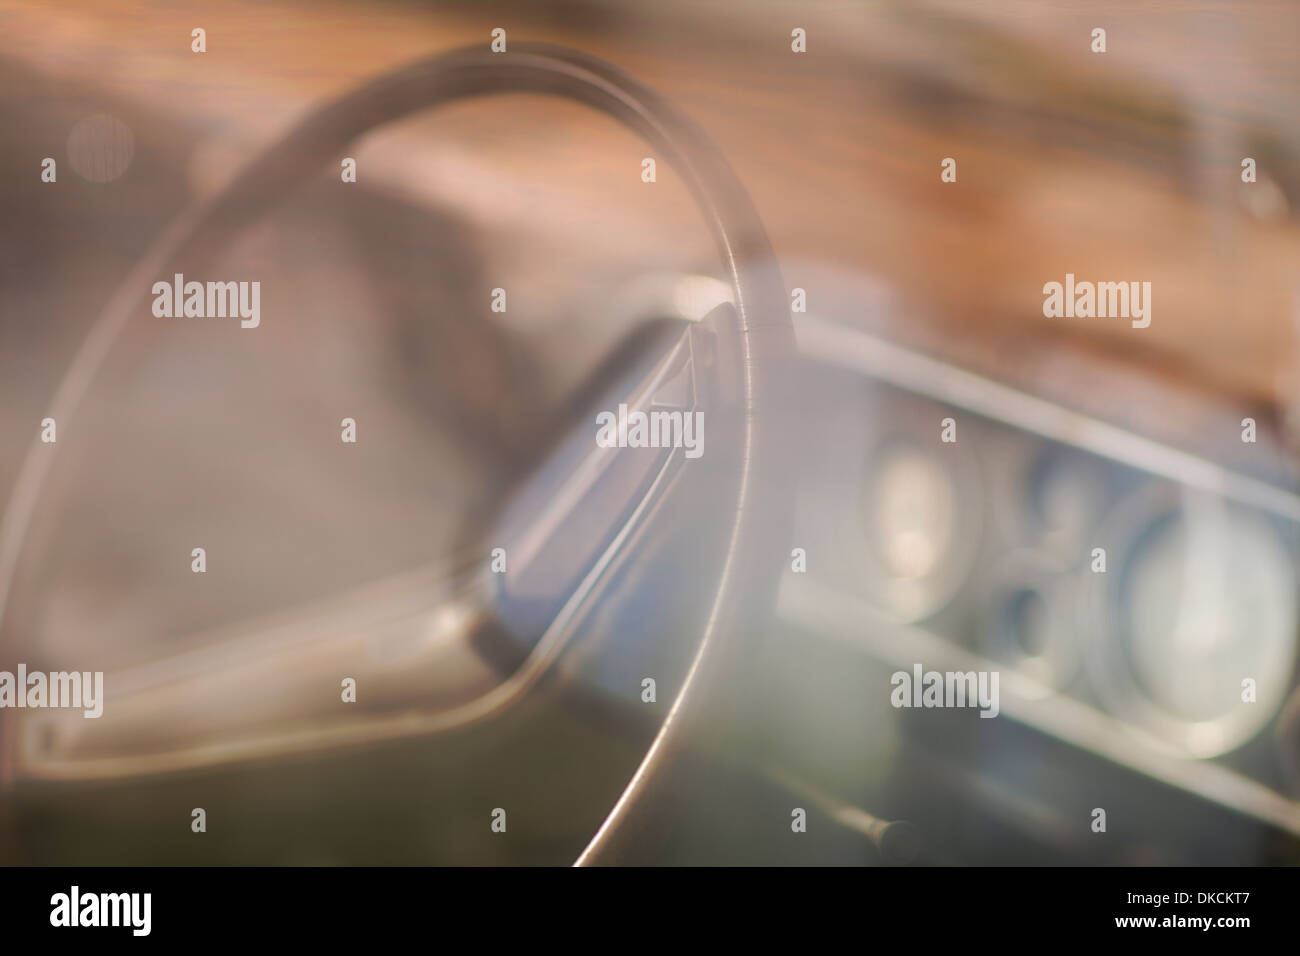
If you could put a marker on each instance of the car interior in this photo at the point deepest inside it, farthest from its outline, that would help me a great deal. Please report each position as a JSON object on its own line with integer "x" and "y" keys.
{"x": 818, "y": 274}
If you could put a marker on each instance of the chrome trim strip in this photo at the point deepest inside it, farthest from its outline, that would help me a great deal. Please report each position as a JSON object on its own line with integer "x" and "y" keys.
{"x": 858, "y": 351}
{"x": 824, "y": 610}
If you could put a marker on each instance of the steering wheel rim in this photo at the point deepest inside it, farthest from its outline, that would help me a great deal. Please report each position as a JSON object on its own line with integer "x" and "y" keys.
{"x": 760, "y": 519}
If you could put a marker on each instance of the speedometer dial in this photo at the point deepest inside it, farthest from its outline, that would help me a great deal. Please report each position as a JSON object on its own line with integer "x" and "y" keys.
{"x": 1201, "y": 619}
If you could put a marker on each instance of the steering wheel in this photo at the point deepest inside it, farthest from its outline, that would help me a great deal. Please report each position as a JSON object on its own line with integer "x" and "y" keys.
{"x": 746, "y": 380}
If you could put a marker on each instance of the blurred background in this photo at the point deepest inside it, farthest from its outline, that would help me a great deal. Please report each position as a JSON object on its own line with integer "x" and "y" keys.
{"x": 924, "y": 301}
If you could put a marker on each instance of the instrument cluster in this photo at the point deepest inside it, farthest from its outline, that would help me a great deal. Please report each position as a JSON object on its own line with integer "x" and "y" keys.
{"x": 1139, "y": 601}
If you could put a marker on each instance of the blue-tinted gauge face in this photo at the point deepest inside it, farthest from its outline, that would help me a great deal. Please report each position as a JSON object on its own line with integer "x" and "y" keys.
{"x": 1196, "y": 619}
{"x": 1065, "y": 496}
{"x": 1207, "y": 591}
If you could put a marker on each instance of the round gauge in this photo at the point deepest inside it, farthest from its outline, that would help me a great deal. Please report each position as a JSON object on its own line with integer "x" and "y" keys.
{"x": 921, "y": 520}
{"x": 1200, "y": 602}
{"x": 1046, "y": 496}
{"x": 1065, "y": 489}
{"x": 1029, "y": 618}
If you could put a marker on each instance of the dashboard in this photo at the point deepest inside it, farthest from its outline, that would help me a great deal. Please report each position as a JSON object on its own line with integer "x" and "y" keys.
{"x": 1030, "y": 567}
